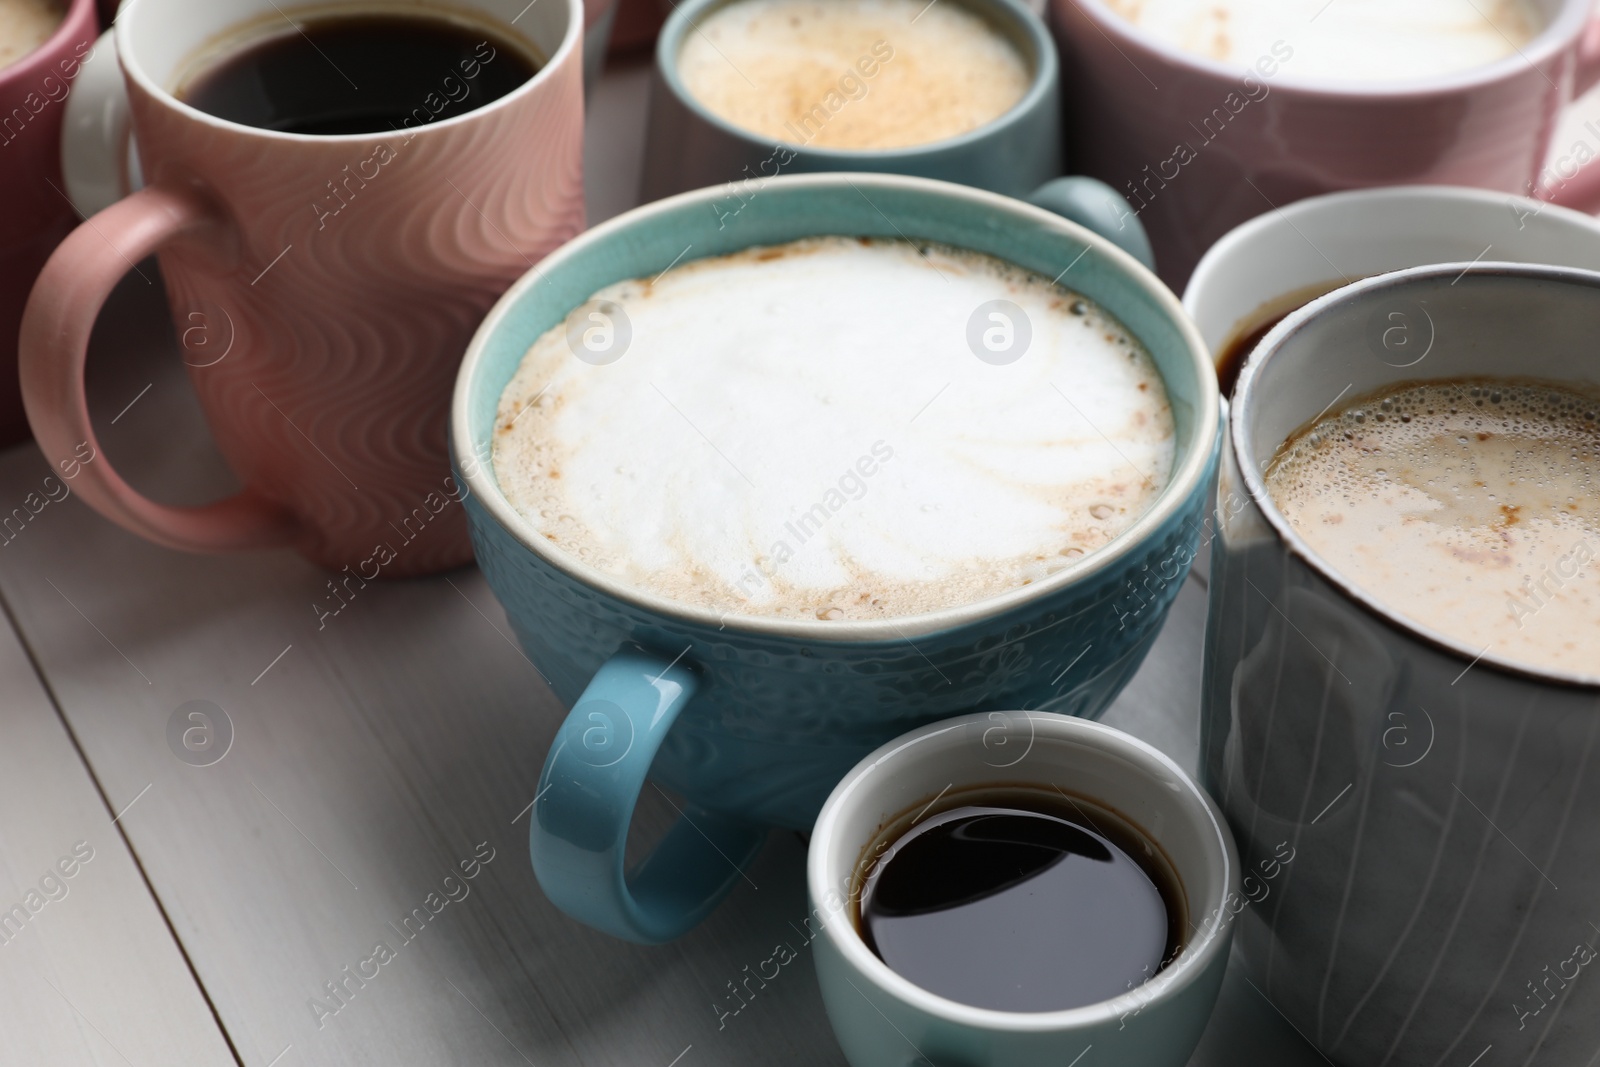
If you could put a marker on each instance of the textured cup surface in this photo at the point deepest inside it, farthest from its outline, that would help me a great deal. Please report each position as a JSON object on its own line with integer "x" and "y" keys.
{"x": 785, "y": 707}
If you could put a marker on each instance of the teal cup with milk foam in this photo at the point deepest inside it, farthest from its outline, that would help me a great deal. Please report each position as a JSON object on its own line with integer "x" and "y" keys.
{"x": 1018, "y": 152}
{"x": 753, "y": 719}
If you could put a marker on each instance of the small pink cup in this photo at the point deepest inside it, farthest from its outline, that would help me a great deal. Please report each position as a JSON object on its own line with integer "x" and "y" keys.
{"x": 1198, "y": 146}
{"x": 34, "y": 211}
{"x": 324, "y": 288}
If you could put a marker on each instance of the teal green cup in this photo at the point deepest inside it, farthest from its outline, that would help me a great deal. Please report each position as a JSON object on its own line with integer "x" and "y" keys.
{"x": 883, "y": 1019}
{"x": 750, "y": 719}
{"x": 1018, "y": 154}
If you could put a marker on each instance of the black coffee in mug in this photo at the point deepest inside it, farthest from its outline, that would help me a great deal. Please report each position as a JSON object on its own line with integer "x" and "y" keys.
{"x": 365, "y": 72}
{"x": 1022, "y": 898}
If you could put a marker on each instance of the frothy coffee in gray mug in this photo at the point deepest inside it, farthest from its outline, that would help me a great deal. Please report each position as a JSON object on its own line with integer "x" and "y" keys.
{"x": 855, "y": 74}
{"x": 1345, "y": 40}
{"x": 27, "y": 24}
{"x": 1471, "y": 507}
{"x": 835, "y": 428}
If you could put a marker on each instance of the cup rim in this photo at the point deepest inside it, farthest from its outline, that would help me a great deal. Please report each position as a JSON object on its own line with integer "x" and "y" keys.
{"x": 1184, "y": 479}
{"x": 1242, "y": 440}
{"x": 1227, "y": 247}
{"x": 685, "y": 16}
{"x": 1558, "y": 34}
{"x": 1213, "y": 937}
{"x": 46, "y": 55}
{"x": 134, "y": 71}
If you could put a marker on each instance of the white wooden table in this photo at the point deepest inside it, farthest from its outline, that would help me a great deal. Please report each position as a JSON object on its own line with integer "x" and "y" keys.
{"x": 223, "y": 903}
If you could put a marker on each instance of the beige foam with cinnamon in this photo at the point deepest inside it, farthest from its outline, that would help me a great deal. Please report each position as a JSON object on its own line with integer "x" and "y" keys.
{"x": 805, "y": 431}
{"x": 25, "y": 25}
{"x": 1472, "y": 508}
{"x": 852, "y": 73}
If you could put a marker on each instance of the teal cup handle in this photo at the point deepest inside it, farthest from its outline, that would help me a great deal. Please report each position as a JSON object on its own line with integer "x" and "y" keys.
{"x": 1095, "y": 205}
{"x": 591, "y": 781}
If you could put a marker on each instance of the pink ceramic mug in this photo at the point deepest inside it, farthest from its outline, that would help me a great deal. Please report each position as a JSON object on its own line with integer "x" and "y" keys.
{"x": 1200, "y": 146}
{"x": 325, "y": 288}
{"x": 34, "y": 211}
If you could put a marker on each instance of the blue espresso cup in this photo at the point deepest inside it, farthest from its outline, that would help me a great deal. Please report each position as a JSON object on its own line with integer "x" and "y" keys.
{"x": 752, "y": 719}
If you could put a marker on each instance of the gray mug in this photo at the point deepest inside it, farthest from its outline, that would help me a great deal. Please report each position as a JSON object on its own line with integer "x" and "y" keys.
{"x": 1436, "y": 795}
{"x": 1018, "y": 154}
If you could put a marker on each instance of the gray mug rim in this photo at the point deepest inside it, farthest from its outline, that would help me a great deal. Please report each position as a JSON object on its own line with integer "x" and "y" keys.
{"x": 1242, "y": 441}
{"x": 1046, "y": 77}
{"x": 1191, "y": 476}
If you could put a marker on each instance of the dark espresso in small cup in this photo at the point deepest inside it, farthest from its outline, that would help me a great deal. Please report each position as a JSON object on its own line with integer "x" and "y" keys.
{"x": 367, "y": 72}
{"x": 1021, "y": 898}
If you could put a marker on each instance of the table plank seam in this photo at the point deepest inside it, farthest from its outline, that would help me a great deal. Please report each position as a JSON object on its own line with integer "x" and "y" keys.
{"x": 442, "y": 833}
{"x": 138, "y": 862}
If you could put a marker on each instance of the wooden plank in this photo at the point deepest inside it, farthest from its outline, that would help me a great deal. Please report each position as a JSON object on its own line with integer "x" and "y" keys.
{"x": 89, "y": 971}
{"x": 372, "y": 753}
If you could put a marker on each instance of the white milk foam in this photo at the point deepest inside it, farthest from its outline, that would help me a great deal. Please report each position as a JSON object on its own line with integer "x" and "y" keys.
{"x": 1470, "y": 507}
{"x": 852, "y": 73}
{"x": 802, "y": 431}
{"x": 1348, "y": 40}
{"x": 25, "y": 25}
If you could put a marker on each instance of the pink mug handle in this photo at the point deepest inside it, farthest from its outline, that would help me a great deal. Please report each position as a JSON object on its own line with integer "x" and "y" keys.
{"x": 52, "y": 348}
{"x": 1582, "y": 190}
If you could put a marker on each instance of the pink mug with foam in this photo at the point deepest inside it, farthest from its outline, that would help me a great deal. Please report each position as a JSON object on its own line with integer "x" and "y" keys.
{"x": 323, "y": 349}
{"x": 1135, "y": 104}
